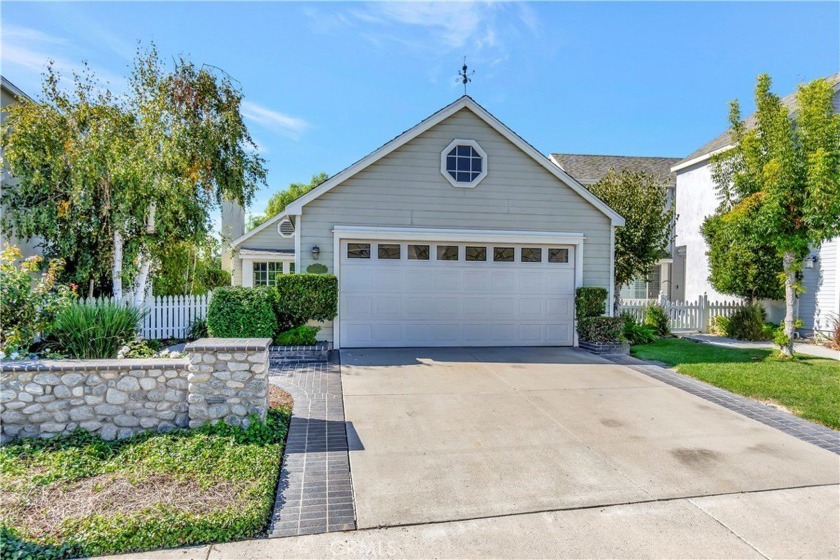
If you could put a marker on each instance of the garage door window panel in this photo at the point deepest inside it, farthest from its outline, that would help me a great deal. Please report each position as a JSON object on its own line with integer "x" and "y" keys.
{"x": 558, "y": 256}
{"x": 531, "y": 254}
{"x": 388, "y": 251}
{"x": 447, "y": 252}
{"x": 476, "y": 254}
{"x": 358, "y": 250}
{"x": 503, "y": 254}
{"x": 418, "y": 252}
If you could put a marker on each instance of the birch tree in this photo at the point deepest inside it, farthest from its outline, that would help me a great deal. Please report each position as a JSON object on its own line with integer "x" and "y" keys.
{"x": 785, "y": 167}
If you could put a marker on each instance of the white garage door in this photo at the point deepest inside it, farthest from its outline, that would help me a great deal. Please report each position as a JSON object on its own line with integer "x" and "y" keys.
{"x": 455, "y": 294}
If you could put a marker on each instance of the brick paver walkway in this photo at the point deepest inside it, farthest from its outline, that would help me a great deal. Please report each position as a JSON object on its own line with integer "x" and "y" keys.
{"x": 779, "y": 419}
{"x": 314, "y": 494}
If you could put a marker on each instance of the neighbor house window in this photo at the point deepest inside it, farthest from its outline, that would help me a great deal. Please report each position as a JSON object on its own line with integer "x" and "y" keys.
{"x": 463, "y": 163}
{"x": 476, "y": 253}
{"x": 447, "y": 252}
{"x": 388, "y": 251}
{"x": 558, "y": 255}
{"x": 503, "y": 254}
{"x": 291, "y": 268}
{"x": 358, "y": 250}
{"x": 266, "y": 273}
{"x": 418, "y": 252}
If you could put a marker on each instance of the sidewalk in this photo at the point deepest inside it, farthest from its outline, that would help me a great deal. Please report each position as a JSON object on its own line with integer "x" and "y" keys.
{"x": 798, "y": 347}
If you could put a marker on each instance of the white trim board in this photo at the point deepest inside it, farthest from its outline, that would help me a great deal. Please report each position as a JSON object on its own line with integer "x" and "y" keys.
{"x": 464, "y": 102}
{"x": 699, "y": 159}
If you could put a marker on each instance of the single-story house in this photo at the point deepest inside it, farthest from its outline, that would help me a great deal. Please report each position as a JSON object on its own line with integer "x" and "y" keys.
{"x": 588, "y": 169}
{"x": 455, "y": 233}
{"x": 696, "y": 199}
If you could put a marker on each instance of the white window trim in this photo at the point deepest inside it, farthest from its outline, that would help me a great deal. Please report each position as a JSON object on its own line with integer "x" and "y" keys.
{"x": 280, "y": 231}
{"x": 249, "y": 260}
{"x": 345, "y": 233}
{"x": 463, "y": 142}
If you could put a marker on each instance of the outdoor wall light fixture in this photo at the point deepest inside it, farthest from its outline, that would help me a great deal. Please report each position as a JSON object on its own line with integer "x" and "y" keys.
{"x": 811, "y": 262}
{"x": 316, "y": 252}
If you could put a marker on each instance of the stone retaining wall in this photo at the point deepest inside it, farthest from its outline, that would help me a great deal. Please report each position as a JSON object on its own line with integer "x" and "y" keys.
{"x": 222, "y": 379}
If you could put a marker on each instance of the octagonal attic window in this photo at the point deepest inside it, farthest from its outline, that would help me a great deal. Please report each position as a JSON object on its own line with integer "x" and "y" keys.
{"x": 463, "y": 163}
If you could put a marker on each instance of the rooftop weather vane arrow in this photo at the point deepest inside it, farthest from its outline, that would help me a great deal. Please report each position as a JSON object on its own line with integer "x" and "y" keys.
{"x": 465, "y": 76}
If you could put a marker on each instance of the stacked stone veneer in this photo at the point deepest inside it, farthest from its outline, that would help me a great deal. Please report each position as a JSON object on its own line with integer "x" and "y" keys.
{"x": 222, "y": 379}
{"x": 228, "y": 380}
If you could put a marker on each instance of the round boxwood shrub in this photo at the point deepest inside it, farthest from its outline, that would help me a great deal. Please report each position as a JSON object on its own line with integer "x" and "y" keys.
{"x": 242, "y": 313}
{"x": 590, "y": 302}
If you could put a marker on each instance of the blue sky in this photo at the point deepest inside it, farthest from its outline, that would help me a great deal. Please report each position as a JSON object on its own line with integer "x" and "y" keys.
{"x": 326, "y": 83}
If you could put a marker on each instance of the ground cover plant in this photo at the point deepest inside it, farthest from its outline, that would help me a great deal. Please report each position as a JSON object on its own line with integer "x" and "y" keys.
{"x": 808, "y": 387}
{"x": 78, "y": 495}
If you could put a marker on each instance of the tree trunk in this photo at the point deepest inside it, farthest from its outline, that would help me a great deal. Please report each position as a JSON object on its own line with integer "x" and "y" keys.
{"x": 116, "y": 267}
{"x": 616, "y": 300}
{"x": 142, "y": 279}
{"x": 788, "y": 262}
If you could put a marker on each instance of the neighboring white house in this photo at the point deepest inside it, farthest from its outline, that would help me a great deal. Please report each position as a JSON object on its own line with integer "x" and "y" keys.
{"x": 10, "y": 94}
{"x": 696, "y": 200}
{"x": 455, "y": 233}
{"x": 588, "y": 169}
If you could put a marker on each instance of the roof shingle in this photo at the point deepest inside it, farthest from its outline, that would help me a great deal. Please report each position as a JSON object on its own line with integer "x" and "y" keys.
{"x": 588, "y": 169}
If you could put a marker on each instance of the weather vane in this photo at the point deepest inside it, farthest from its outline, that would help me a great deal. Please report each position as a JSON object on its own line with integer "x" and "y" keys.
{"x": 465, "y": 76}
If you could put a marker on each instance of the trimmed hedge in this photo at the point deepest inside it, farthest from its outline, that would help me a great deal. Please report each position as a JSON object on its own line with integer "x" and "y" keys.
{"x": 601, "y": 329}
{"x": 590, "y": 302}
{"x": 298, "y": 336}
{"x": 242, "y": 313}
{"x": 306, "y": 297}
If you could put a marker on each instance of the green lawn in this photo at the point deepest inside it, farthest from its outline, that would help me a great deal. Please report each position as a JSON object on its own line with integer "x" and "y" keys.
{"x": 78, "y": 495}
{"x": 808, "y": 387}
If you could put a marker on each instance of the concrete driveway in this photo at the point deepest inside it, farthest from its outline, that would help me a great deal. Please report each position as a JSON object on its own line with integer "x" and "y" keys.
{"x": 456, "y": 434}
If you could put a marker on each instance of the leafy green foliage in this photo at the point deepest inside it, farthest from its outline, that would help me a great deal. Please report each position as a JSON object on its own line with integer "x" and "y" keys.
{"x": 298, "y": 336}
{"x": 740, "y": 262}
{"x": 590, "y": 302}
{"x": 100, "y": 175}
{"x": 28, "y": 308}
{"x": 190, "y": 268}
{"x": 95, "y": 330}
{"x": 642, "y": 199}
{"x": 279, "y": 200}
{"x": 657, "y": 317}
{"x": 198, "y": 329}
{"x": 601, "y": 329}
{"x": 306, "y": 297}
{"x": 316, "y": 268}
{"x": 636, "y": 332}
{"x": 784, "y": 173}
{"x": 242, "y": 313}
{"x": 809, "y": 387}
{"x": 747, "y": 323}
{"x": 219, "y": 455}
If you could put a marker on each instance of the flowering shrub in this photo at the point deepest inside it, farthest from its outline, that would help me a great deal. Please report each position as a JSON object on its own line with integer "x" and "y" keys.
{"x": 28, "y": 303}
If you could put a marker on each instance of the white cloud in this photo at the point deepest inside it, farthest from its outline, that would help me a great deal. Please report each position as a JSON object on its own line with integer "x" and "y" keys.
{"x": 280, "y": 123}
{"x": 29, "y": 51}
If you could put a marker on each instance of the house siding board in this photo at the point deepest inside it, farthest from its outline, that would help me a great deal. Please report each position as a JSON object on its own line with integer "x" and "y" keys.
{"x": 407, "y": 189}
{"x": 820, "y": 302}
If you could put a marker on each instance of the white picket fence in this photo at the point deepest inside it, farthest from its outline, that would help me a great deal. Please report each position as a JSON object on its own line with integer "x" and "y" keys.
{"x": 168, "y": 316}
{"x": 685, "y": 315}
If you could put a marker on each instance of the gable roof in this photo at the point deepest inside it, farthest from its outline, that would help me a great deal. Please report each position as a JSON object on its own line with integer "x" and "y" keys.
{"x": 724, "y": 141}
{"x": 14, "y": 90}
{"x": 464, "y": 102}
{"x": 588, "y": 169}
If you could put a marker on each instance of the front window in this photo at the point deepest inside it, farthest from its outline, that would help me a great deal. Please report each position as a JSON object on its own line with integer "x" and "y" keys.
{"x": 266, "y": 273}
{"x": 463, "y": 163}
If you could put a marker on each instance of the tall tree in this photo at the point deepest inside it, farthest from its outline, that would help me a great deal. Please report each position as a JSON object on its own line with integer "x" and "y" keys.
{"x": 642, "y": 199}
{"x": 786, "y": 168}
{"x": 279, "y": 200}
{"x": 741, "y": 263}
{"x": 145, "y": 170}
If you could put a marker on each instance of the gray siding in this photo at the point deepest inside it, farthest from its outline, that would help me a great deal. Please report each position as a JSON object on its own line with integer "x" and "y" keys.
{"x": 820, "y": 303}
{"x": 266, "y": 239}
{"x": 406, "y": 188}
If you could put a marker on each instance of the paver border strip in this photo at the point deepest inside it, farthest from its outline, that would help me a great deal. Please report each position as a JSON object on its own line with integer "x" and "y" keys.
{"x": 799, "y": 428}
{"x": 314, "y": 491}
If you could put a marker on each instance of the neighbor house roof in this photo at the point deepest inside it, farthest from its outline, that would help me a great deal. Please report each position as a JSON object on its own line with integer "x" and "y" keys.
{"x": 724, "y": 141}
{"x": 14, "y": 90}
{"x": 588, "y": 169}
{"x": 464, "y": 102}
